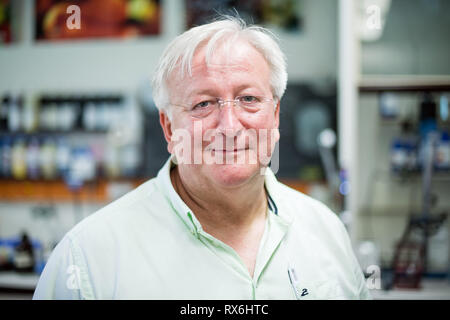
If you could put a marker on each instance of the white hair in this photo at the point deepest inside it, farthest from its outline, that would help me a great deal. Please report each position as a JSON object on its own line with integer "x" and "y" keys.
{"x": 181, "y": 50}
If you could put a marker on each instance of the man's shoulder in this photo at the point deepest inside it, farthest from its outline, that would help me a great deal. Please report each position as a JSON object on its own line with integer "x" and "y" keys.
{"x": 128, "y": 209}
{"x": 305, "y": 207}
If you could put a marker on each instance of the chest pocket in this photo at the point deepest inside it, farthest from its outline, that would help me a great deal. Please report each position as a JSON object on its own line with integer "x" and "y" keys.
{"x": 330, "y": 290}
{"x": 327, "y": 290}
{"x": 305, "y": 291}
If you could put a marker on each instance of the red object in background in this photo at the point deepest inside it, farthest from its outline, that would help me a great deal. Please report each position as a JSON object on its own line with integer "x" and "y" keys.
{"x": 99, "y": 19}
{"x": 5, "y": 34}
{"x": 5, "y": 21}
{"x": 409, "y": 265}
{"x": 410, "y": 260}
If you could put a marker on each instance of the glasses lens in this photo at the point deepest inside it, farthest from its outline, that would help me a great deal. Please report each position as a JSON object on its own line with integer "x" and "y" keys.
{"x": 248, "y": 103}
{"x": 253, "y": 103}
{"x": 204, "y": 108}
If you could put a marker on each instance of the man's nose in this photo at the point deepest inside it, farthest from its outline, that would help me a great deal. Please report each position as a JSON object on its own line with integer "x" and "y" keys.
{"x": 229, "y": 123}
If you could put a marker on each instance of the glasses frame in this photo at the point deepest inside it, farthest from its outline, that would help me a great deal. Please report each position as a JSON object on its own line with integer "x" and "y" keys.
{"x": 221, "y": 102}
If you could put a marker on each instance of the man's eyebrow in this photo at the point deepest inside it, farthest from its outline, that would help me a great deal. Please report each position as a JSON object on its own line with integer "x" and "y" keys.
{"x": 202, "y": 91}
{"x": 247, "y": 86}
{"x": 213, "y": 92}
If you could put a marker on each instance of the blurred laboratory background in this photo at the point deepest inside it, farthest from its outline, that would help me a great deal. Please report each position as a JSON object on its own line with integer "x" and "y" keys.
{"x": 364, "y": 122}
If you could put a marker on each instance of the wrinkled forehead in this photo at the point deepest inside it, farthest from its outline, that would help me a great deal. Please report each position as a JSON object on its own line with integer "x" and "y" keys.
{"x": 230, "y": 53}
{"x": 227, "y": 57}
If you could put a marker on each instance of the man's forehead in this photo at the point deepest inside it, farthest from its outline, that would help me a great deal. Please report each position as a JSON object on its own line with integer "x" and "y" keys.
{"x": 228, "y": 55}
{"x": 240, "y": 58}
{"x": 203, "y": 69}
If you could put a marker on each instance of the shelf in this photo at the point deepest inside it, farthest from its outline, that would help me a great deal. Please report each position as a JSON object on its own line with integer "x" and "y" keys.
{"x": 397, "y": 211}
{"x": 431, "y": 289}
{"x": 52, "y": 132}
{"x": 95, "y": 191}
{"x": 437, "y": 175}
{"x": 18, "y": 281}
{"x": 404, "y": 83}
{"x": 57, "y": 191}
{"x": 299, "y": 185}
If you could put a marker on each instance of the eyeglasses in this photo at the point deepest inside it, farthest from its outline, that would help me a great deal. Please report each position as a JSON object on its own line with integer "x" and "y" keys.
{"x": 246, "y": 104}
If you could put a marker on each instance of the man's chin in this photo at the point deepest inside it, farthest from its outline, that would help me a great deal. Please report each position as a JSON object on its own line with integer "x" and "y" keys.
{"x": 232, "y": 175}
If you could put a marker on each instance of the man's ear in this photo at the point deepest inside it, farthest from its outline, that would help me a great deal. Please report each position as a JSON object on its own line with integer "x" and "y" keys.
{"x": 166, "y": 125}
{"x": 277, "y": 115}
{"x": 276, "y": 123}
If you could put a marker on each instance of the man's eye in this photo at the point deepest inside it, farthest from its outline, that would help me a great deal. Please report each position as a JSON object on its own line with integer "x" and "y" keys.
{"x": 202, "y": 104}
{"x": 249, "y": 99}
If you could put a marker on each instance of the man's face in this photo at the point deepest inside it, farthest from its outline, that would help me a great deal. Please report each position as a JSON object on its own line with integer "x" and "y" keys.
{"x": 229, "y": 146}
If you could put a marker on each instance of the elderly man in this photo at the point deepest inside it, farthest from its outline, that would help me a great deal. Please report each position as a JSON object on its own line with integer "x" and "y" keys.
{"x": 215, "y": 223}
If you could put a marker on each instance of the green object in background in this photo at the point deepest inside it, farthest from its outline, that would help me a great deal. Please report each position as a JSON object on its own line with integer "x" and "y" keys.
{"x": 141, "y": 10}
{"x": 311, "y": 173}
{"x": 2, "y": 13}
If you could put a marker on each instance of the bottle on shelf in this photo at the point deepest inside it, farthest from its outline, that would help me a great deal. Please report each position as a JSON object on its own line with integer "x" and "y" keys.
{"x": 38, "y": 255}
{"x": 44, "y": 117}
{"x": 103, "y": 116}
{"x": 67, "y": 114}
{"x": 62, "y": 156}
{"x": 19, "y": 159}
{"x": 38, "y": 136}
{"x": 32, "y": 156}
{"x": 4, "y": 105}
{"x": 404, "y": 149}
{"x": 81, "y": 167}
{"x": 443, "y": 152}
{"x": 14, "y": 114}
{"x": 52, "y": 117}
{"x": 29, "y": 116}
{"x": 24, "y": 255}
{"x": 90, "y": 116}
{"x": 6, "y": 254}
{"x": 47, "y": 159}
{"x": 112, "y": 160}
{"x": 5, "y": 159}
{"x": 427, "y": 125}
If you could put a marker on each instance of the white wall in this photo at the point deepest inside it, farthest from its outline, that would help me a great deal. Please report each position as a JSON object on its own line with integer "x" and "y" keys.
{"x": 414, "y": 41}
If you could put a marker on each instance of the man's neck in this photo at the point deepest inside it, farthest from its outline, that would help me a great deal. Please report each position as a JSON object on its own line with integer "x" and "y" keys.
{"x": 218, "y": 209}
{"x": 235, "y": 216}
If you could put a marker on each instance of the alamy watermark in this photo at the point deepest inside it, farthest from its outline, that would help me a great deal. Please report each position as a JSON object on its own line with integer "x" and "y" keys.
{"x": 74, "y": 20}
{"x": 373, "y": 21}
{"x": 73, "y": 279}
{"x": 248, "y": 147}
{"x": 373, "y": 281}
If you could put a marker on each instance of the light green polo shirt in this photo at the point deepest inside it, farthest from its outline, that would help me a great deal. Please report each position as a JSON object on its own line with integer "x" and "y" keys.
{"x": 149, "y": 245}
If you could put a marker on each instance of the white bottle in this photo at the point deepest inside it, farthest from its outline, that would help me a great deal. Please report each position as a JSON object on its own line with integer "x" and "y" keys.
{"x": 62, "y": 156}
{"x": 48, "y": 159}
{"x": 14, "y": 122}
{"x": 33, "y": 158}
{"x": 89, "y": 116}
{"x": 28, "y": 117}
{"x": 18, "y": 159}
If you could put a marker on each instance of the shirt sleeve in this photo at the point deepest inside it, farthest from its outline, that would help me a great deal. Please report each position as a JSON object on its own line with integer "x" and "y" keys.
{"x": 362, "y": 292}
{"x": 65, "y": 276}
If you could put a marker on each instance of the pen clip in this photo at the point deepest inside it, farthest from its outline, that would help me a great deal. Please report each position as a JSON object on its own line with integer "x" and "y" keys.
{"x": 294, "y": 281}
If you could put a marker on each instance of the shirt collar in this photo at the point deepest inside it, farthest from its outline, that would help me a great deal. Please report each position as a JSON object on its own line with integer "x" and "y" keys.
{"x": 188, "y": 217}
{"x": 275, "y": 196}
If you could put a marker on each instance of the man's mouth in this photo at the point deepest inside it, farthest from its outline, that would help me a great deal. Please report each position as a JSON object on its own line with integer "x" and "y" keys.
{"x": 229, "y": 150}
